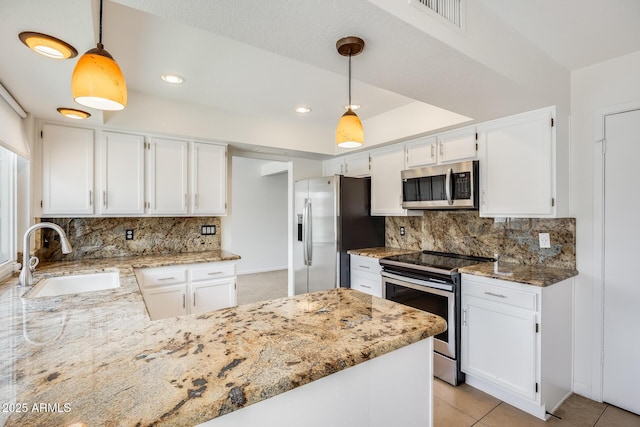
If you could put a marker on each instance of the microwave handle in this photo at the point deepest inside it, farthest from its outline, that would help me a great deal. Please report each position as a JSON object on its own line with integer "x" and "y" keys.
{"x": 447, "y": 185}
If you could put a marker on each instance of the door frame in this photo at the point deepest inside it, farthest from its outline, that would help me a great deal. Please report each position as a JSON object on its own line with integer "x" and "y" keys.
{"x": 599, "y": 130}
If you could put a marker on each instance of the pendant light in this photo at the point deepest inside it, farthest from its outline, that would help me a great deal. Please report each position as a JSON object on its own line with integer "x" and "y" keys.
{"x": 97, "y": 81}
{"x": 349, "y": 133}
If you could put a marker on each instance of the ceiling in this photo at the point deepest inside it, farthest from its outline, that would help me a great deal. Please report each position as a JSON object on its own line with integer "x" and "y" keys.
{"x": 255, "y": 61}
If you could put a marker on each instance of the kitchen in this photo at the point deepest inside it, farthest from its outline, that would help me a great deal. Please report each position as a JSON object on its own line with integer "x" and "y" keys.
{"x": 526, "y": 79}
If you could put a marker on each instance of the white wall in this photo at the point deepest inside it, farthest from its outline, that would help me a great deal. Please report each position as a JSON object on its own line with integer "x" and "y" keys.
{"x": 259, "y": 226}
{"x": 599, "y": 86}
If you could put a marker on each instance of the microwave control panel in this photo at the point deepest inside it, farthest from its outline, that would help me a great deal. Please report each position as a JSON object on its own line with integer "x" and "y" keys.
{"x": 462, "y": 185}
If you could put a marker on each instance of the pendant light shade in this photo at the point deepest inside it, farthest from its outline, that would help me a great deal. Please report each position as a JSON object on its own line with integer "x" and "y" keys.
{"x": 349, "y": 133}
{"x": 97, "y": 81}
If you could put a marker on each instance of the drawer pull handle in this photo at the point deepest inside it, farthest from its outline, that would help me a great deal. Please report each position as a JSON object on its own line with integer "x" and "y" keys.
{"x": 184, "y": 301}
{"x": 214, "y": 273}
{"x": 364, "y": 266}
{"x": 166, "y": 278}
{"x": 366, "y": 286}
{"x": 495, "y": 295}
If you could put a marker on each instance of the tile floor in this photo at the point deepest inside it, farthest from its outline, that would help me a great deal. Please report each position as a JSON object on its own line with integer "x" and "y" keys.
{"x": 465, "y": 406}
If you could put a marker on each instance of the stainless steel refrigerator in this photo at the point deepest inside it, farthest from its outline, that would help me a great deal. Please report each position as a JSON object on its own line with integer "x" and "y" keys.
{"x": 332, "y": 217}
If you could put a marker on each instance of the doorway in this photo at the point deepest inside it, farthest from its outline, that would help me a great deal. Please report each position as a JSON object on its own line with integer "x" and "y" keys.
{"x": 259, "y": 228}
{"x": 620, "y": 234}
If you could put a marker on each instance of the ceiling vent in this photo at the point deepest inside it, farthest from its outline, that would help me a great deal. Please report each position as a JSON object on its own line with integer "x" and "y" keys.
{"x": 452, "y": 11}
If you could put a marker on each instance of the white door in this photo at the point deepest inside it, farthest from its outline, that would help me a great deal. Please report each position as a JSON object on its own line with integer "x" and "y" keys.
{"x": 209, "y": 179}
{"x": 166, "y": 301}
{"x": 621, "y": 374}
{"x": 123, "y": 174}
{"x": 167, "y": 177}
{"x": 213, "y": 295}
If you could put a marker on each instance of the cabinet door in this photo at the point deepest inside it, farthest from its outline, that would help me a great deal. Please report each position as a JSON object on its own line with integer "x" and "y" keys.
{"x": 386, "y": 182}
{"x": 357, "y": 166}
{"x": 421, "y": 152}
{"x": 166, "y": 301}
{"x": 67, "y": 170}
{"x": 167, "y": 176}
{"x": 209, "y": 179}
{"x": 213, "y": 295}
{"x": 123, "y": 174}
{"x": 457, "y": 145}
{"x": 517, "y": 166}
{"x": 333, "y": 167}
{"x": 499, "y": 345}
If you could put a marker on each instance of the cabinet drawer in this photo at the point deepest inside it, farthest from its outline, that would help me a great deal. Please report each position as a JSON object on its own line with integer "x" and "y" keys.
{"x": 214, "y": 270}
{"x": 365, "y": 264}
{"x": 162, "y": 276}
{"x": 367, "y": 282}
{"x": 500, "y": 294}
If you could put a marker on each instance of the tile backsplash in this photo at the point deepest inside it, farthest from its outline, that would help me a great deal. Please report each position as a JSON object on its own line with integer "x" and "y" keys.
{"x": 464, "y": 232}
{"x": 105, "y": 237}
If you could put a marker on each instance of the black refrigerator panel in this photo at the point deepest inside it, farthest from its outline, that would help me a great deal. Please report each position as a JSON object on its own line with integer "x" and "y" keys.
{"x": 356, "y": 228}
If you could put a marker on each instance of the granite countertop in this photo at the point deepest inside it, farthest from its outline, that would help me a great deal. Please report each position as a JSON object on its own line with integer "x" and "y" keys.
{"x": 380, "y": 252}
{"x": 98, "y": 359}
{"x": 527, "y": 274}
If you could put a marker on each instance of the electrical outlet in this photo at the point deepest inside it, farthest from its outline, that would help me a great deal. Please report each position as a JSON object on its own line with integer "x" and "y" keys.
{"x": 128, "y": 234}
{"x": 545, "y": 240}
{"x": 402, "y": 232}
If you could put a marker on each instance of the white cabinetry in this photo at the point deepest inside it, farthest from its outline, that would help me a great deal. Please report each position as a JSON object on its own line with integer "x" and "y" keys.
{"x": 457, "y": 145}
{"x": 167, "y": 176}
{"x": 517, "y": 165}
{"x": 422, "y": 152}
{"x": 122, "y": 161}
{"x": 516, "y": 341}
{"x": 365, "y": 275}
{"x": 333, "y": 167}
{"x": 188, "y": 289}
{"x": 67, "y": 171}
{"x": 386, "y": 182}
{"x": 357, "y": 165}
{"x": 208, "y": 179}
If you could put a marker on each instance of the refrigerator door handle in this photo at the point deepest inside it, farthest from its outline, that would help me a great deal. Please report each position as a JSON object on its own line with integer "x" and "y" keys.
{"x": 305, "y": 217}
{"x": 309, "y": 237}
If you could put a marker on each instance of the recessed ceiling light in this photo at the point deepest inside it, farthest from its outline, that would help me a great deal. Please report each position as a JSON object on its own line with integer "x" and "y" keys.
{"x": 47, "y": 45}
{"x": 353, "y": 107}
{"x": 303, "y": 110}
{"x": 72, "y": 113}
{"x": 172, "y": 78}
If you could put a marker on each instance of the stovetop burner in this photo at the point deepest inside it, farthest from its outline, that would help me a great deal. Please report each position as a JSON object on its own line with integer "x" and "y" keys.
{"x": 441, "y": 262}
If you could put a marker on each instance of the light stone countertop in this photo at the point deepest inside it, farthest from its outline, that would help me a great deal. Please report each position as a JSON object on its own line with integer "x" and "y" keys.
{"x": 380, "y": 252}
{"x": 96, "y": 357}
{"x": 528, "y": 274}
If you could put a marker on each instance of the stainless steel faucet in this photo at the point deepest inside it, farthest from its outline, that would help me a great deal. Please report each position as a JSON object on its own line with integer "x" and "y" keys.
{"x": 28, "y": 267}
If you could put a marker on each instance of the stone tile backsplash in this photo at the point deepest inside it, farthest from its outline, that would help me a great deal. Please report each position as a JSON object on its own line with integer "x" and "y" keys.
{"x": 105, "y": 237}
{"x": 464, "y": 232}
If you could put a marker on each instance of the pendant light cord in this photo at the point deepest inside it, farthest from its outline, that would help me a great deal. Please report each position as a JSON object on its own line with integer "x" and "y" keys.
{"x": 349, "y": 79}
{"x": 100, "y": 28}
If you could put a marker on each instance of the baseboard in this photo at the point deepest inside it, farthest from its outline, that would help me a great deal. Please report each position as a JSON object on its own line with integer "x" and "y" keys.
{"x": 582, "y": 389}
{"x": 261, "y": 270}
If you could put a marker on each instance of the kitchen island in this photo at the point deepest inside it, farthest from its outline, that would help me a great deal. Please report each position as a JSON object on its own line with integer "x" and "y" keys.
{"x": 96, "y": 358}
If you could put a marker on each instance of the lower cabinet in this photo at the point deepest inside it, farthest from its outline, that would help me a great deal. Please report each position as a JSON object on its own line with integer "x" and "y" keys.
{"x": 365, "y": 275}
{"x": 188, "y": 289}
{"x": 516, "y": 341}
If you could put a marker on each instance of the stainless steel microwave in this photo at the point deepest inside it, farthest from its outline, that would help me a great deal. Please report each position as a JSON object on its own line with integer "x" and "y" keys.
{"x": 452, "y": 186}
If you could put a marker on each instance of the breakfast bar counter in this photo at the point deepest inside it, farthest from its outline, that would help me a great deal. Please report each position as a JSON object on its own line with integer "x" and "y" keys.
{"x": 96, "y": 359}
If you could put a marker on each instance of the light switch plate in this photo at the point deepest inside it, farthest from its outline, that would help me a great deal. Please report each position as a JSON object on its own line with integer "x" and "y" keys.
{"x": 545, "y": 240}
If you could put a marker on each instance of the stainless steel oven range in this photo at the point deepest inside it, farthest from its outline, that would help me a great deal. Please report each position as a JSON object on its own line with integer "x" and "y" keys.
{"x": 430, "y": 281}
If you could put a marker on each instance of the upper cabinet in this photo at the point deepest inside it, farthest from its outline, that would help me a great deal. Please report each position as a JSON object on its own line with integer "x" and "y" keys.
{"x": 517, "y": 165}
{"x": 122, "y": 161}
{"x": 357, "y": 165}
{"x": 449, "y": 147}
{"x": 386, "y": 182}
{"x": 135, "y": 176}
{"x": 67, "y": 171}
{"x": 208, "y": 179}
{"x": 333, "y": 167}
{"x": 167, "y": 183}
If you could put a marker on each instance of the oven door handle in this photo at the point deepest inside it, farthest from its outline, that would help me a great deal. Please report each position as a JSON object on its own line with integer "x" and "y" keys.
{"x": 419, "y": 285}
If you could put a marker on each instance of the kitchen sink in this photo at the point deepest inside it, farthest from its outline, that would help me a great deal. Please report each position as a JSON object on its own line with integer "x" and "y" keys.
{"x": 75, "y": 284}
